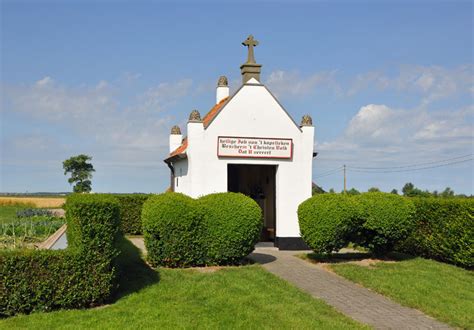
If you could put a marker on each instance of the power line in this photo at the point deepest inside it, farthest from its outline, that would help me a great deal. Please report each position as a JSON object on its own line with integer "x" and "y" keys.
{"x": 329, "y": 173}
{"x": 407, "y": 166}
{"x": 411, "y": 169}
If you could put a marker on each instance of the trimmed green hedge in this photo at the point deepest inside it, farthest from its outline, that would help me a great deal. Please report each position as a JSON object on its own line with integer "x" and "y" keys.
{"x": 387, "y": 220}
{"x": 444, "y": 230}
{"x": 173, "y": 231}
{"x": 130, "y": 212}
{"x": 377, "y": 221}
{"x": 83, "y": 275}
{"x": 327, "y": 221}
{"x": 215, "y": 229}
{"x": 233, "y": 224}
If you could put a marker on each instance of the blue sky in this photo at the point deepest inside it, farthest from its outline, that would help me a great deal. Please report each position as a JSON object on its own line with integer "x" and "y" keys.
{"x": 388, "y": 83}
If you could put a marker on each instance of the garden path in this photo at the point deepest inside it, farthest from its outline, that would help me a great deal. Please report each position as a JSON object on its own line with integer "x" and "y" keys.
{"x": 349, "y": 298}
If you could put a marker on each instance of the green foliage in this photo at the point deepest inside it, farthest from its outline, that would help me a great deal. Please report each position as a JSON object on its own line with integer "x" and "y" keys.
{"x": 81, "y": 172}
{"x": 444, "y": 231}
{"x": 130, "y": 212}
{"x": 353, "y": 191}
{"x": 216, "y": 229}
{"x": 387, "y": 220}
{"x": 173, "y": 231}
{"x": 233, "y": 224}
{"x": 373, "y": 220}
{"x": 373, "y": 189}
{"x": 82, "y": 275}
{"x": 328, "y": 221}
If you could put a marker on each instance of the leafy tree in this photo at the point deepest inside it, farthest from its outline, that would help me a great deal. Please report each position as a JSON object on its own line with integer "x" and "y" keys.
{"x": 81, "y": 172}
{"x": 353, "y": 191}
{"x": 394, "y": 191}
{"x": 448, "y": 192}
{"x": 374, "y": 189}
{"x": 331, "y": 191}
{"x": 408, "y": 189}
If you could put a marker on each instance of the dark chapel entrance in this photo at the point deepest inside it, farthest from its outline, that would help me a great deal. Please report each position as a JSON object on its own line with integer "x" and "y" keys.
{"x": 258, "y": 182}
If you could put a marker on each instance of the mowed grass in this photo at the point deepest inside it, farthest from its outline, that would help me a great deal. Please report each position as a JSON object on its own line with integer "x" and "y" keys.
{"x": 246, "y": 297}
{"x": 42, "y": 202}
{"x": 443, "y": 291}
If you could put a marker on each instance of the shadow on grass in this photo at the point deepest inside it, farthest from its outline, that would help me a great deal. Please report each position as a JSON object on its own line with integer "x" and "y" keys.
{"x": 134, "y": 273}
{"x": 334, "y": 258}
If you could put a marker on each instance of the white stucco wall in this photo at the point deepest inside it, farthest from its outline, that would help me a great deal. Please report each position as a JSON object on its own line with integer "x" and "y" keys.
{"x": 251, "y": 112}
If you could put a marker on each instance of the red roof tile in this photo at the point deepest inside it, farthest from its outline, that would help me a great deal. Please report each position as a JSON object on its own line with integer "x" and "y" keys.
{"x": 206, "y": 121}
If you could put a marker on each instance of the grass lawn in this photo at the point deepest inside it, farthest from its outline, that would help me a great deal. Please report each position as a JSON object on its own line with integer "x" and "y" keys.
{"x": 233, "y": 297}
{"x": 443, "y": 291}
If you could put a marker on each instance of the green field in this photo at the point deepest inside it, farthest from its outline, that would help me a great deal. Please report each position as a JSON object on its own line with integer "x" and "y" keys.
{"x": 443, "y": 291}
{"x": 8, "y": 213}
{"x": 232, "y": 297}
{"x": 27, "y": 231}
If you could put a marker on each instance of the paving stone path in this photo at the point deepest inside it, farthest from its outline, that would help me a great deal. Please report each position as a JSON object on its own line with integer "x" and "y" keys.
{"x": 349, "y": 298}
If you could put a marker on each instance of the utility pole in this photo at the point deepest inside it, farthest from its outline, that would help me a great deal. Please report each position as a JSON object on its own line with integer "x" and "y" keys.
{"x": 345, "y": 180}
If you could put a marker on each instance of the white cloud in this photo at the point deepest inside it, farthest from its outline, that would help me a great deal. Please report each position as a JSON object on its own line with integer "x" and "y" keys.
{"x": 385, "y": 135}
{"x": 430, "y": 82}
{"x": 284, "y": 83}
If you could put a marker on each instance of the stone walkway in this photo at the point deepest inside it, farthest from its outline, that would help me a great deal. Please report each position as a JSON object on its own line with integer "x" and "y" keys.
{"x": 349, "y": 298}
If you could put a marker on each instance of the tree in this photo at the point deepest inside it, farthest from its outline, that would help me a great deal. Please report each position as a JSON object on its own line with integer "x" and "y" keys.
{"x": 394, "y": 191}
{"x": 448, "y": 192}
{"x": 81, "y": 172}
{"x": 331, "y": 191}
{"x": 408, "y": 189}
{"x": 353, "y": 191}
{"x": 374, "y": 189}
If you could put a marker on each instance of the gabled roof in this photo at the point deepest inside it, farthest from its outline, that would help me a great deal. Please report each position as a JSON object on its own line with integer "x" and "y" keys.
{"x": 180, "y": 152}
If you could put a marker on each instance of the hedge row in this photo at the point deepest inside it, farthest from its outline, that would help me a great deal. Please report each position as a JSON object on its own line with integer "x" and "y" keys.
{"x": 377, "y": 221}
{"x": 130, "y": 212}
{"x": 441, "y": 229}
{"x": 444, "y": 231}
{"x": 83, "y": 275}
{"x": 216, "y": 229}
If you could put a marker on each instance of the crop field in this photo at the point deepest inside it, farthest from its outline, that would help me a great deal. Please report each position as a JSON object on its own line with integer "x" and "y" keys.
{"x": 43, "y": 202}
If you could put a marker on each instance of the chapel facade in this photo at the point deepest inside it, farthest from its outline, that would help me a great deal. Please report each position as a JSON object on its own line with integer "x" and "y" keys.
{"x": 248, "y": 143}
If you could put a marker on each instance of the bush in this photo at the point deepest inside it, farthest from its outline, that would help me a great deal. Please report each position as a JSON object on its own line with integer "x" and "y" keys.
{"x": 327, "y": 221}
{"x": 233, "y": 224}
{"x": 387, "y": 220}
{"x": 173, "y": 231}
{"x": 216, "y": 229}
{"x": 83, "y": 275}
{"x": 444, "y": 231}
{"x": 130, "y": 212}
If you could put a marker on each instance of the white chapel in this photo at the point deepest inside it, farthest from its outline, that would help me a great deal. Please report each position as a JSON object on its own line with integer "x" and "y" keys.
{"x": 248, "y": 143}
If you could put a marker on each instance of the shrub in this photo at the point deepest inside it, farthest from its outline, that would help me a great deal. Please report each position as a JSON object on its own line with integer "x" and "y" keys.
{"x": 130, "y": 212}
{"x": 83, "y": 275}
{"x": 387, "y": 220}
{"x": 233, "y": 224}
{"x": 173, "y": 231}
{"x": 327, "y": 221}
{"x": 216, "y": 229}
{"x": 444, "y": 231}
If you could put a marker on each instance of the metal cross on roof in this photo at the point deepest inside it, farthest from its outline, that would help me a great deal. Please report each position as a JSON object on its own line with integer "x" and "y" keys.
{"x": 250, "y": 42}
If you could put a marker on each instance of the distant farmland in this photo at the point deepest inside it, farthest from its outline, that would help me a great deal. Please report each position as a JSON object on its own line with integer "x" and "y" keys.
{"x": 52, "y": 202}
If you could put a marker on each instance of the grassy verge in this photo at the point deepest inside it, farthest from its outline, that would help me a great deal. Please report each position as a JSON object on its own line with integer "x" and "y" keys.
{"x": 233, "y": 297}
{"x": 443, "y": 291}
